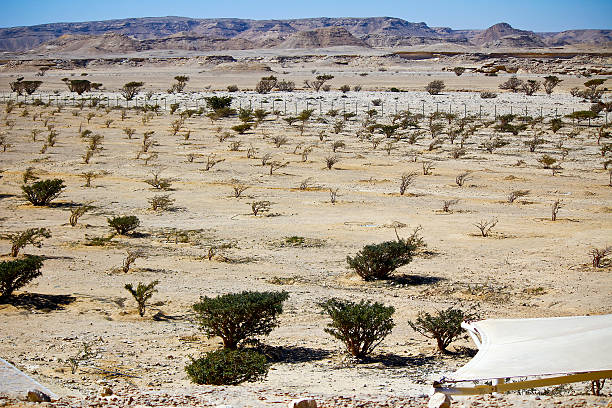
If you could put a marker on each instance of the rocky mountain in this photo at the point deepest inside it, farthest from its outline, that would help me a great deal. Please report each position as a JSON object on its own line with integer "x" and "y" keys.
{"x": 322, "y": 38}
{"x": 595, "y": 37}
{"x": 504, "y": 35}
{"x": 182, "y": 33}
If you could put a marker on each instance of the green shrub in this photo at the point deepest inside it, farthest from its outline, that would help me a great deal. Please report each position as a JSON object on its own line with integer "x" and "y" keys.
{"x": 16, "y": 274}
{"x": 445, "y": 326}
{"x": 123, "y": 225}
{"x": 237, "y": 316}
{"x": 142, "y": 294}
{"x": 32, "y": 236}
{"x": 42, "y": 192}
{"x": 242, "y": 128}
{"x": 228, "y": 367}
{"x": 377, "y": 261}
{"x": 360, "y": 326}
{"x": 218, "y": 102}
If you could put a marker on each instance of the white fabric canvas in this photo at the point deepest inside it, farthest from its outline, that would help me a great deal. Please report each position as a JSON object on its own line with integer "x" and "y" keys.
{"x": 537, "y": 347}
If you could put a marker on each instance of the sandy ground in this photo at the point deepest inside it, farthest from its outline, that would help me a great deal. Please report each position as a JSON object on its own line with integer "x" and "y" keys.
{"x": 529, "y": 266}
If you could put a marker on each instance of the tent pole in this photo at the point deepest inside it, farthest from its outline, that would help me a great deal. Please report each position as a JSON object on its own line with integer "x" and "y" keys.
{"x": 521, "y": 385}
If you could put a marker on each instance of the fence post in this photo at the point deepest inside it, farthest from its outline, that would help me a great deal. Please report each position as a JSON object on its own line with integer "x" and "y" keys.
{"x": 423, "y": 108}
{"x": 382, "y": 109}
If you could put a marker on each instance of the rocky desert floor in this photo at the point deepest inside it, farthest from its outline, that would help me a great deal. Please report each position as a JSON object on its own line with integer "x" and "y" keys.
{"x": 76, "y": 330}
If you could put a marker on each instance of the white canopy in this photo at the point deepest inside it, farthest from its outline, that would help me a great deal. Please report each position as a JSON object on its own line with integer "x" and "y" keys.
{"x": 538, "y": 347}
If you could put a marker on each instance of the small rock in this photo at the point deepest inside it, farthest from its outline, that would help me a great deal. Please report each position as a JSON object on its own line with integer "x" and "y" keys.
{"x": 38, "y": 396}
{"x": 303, "y": 403}
{"x": 439, "y": 400}
{"x": 106, "y": 391}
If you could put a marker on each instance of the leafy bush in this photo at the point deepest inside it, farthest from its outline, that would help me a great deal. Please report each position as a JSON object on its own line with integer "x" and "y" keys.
{"x": 377, "y": 261}
{"x": 237, "y": 316}
{"x": 142, "y": 294}
{"x": 32, "y": 236}
{"x": 131, "y": 89}
{"x": 218, "y": 102}
{"x": 124, "y": 224}
{"x": 228, "y": 367}
{"x": 360, "y": 326}
{"x": 444, "y": 327}
{"x": 42, "y": 192}
{"x": 435, "y": 87}
{"x": 16, "y": 274}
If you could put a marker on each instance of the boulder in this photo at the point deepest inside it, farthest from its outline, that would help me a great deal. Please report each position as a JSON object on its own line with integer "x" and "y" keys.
{"x": 38, "y": 396}
{"x": 439, "y": 400}
{"x": 303, "y": 403}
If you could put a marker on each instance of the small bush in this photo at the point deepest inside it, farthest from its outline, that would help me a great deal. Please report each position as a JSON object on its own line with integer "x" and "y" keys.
{"x": 444, "y": 327}
{"x": 435, "y": 87}
{"x": 218, "y": 103}
{"x": 142, "y": 294}
{"x": 378, "y": 261}
{"x": 488, "y": 95}
{"x": 360, "y": 326}
{"x": 238, "y": 316}
{"x": 32, "y": 236}
{"x": 16, "y": 274}
{"x": 485, "y": 226}
{"x": 459, "y": 70}
{"x": 161, "y": 202}
{"x": 228, "y": 367}
{"x": 123, "y": 225}
{"x": 598, "y": 255}
{"x": 41, "y": 193}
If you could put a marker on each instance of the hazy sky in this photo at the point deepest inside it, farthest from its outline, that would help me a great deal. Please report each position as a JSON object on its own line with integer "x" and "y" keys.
{"x": 536, "y": 15}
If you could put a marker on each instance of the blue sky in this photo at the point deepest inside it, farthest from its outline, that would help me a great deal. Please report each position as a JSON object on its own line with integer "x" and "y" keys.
{"x": 536, "y": 15}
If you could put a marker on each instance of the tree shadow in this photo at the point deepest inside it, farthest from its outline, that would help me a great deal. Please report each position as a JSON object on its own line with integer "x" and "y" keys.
{"x": 394, "y": 360}
{"x": 5, "y": 195}
{"x": 162, "y": 317}
{"x": 39, "y": 301}
{"x": 69, "y": 205}
{"x": 414, "y": 280}
{"x": 298, "y": 354}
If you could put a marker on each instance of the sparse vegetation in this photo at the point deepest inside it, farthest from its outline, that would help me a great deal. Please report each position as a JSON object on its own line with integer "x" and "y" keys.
{"x": 435, "y": 87}
{"x": 30, "y": 236}
{"x": 124, "y": 224}
{"x": 236, "y": 317}
{"x": 228, "y": 367}
{"x": 17, "y": 273}
{"x": 142, "y": 294}
{"x": 41, "y": 193}
{"x": 444, "y": 326}
{"x": 485, "y": 226}
{"x": 360, "y": 326}
{"x": 378, "y": 261}
{"x": 599, "y": 254}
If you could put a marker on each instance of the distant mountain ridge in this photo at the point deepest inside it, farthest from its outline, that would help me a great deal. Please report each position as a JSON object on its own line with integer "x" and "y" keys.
{"x": 228, "y": 33}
